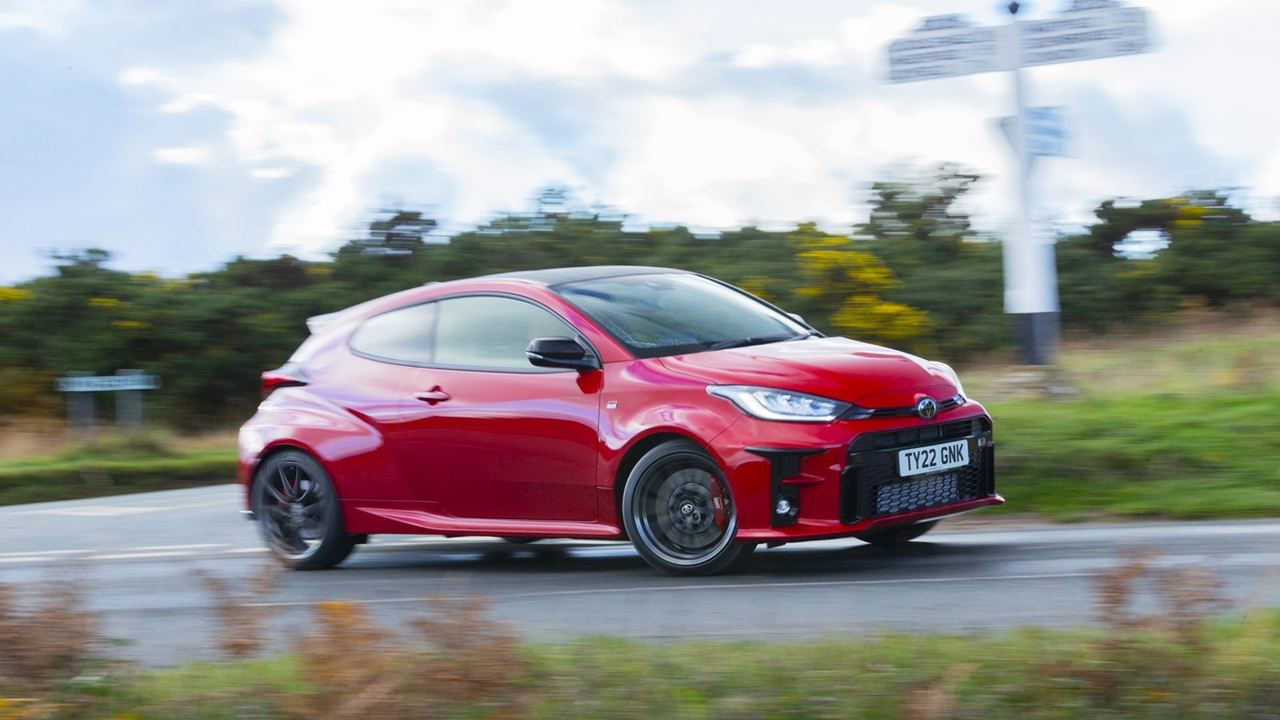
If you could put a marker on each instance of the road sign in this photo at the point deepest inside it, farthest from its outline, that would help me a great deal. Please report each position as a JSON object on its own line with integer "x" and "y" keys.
{"x": 948, "y": 46}
{"x": 108, "y": 383}
{"x": 1086, "y": 34}
{"x": 1046, "y": 132}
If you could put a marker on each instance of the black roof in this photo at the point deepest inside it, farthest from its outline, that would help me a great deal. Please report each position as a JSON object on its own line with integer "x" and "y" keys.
{"x": 560, "y": 276}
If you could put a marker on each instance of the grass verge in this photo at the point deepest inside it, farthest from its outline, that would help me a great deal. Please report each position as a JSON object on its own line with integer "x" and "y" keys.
{"x": 113, "y": 465}
{"x": 1201, "y": 456}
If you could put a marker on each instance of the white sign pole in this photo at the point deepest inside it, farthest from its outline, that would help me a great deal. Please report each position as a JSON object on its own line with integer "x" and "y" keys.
{"x": 1030, "y": 268}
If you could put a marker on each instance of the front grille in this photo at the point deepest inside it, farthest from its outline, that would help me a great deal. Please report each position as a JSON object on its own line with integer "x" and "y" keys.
{"x": 927, "y": 491}
{"x": 905, "y": 411}
{"x": 871, "y": 487}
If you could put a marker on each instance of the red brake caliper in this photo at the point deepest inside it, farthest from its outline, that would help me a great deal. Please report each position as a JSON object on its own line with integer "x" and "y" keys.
{"x": 720, "y": 503}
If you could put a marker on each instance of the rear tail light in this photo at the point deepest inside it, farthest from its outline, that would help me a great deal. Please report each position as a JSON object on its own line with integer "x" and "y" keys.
{"x": 287, "y": 375}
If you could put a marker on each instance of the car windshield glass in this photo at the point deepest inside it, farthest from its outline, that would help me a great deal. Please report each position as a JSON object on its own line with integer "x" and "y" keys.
{"x": 657, "y": 315}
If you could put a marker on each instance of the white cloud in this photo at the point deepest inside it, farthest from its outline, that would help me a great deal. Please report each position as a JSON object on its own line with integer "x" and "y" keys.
{"x": 182, "y": 155}
{"x": 48, "y": 17}
{"x": 272, "y": 173}
{"x": 147, "y": 76}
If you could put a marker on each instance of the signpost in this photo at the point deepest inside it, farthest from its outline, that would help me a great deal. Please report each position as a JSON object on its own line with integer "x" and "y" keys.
{"x": 126, "y": 384}
{"x": 948, "y": 46}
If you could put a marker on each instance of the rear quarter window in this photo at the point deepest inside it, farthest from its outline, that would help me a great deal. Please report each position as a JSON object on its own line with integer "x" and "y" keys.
{"x": 401, "y": 336}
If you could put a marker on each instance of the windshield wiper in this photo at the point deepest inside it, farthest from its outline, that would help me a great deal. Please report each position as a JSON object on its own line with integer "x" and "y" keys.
{"x": 744, "y": 342}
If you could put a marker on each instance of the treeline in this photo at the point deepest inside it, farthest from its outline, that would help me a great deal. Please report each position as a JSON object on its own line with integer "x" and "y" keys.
{"x": 915, "y": 276}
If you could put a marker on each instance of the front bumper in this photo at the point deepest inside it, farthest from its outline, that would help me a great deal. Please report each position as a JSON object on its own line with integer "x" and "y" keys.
{"x": 836, "y": 477}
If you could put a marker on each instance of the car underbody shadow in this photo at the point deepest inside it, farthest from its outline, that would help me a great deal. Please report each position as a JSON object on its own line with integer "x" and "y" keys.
{"x": 550, "y": 557}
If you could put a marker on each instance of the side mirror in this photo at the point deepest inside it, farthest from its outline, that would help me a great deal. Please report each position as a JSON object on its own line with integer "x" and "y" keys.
{"x": 560, "y": 352}
{"x": 797, "y": 318}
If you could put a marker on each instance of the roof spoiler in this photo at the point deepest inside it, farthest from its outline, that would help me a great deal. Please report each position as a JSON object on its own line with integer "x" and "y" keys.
{"x": 315, "y": 322}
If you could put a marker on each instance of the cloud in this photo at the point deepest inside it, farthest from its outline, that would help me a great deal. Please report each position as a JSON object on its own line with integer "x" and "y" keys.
{"x": 182, "y": 155}
{"x": 272, "y": 173}
{"x": 47, "y": 17}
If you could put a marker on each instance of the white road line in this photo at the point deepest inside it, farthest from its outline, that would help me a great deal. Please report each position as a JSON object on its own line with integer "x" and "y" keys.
{"x": 31, "y": 553}
{"x": 139, "y": 555}
{"x": 197, "y": 546}
{"x": 685, "y": 588}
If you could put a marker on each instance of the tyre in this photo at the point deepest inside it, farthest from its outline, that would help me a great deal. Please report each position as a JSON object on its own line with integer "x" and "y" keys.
{"x": 897, "y": 536}
{"x": 521, "y": 540}
{"x": 679, "y": 513}
{"x": 299, "y": 513}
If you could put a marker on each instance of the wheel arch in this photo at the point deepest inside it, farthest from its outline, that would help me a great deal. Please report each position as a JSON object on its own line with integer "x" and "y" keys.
{"x": 640, "y": 447}
{"x": 277, "y": 448}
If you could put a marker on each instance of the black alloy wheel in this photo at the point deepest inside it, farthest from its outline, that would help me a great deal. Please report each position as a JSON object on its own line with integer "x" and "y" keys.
{"x": 679, "y": 512}
{"x": 898, "y": 535}
{"x": 299, "y": 513}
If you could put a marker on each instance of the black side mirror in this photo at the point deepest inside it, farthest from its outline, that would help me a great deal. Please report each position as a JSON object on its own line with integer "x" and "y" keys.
{"x": 560, "y": 352}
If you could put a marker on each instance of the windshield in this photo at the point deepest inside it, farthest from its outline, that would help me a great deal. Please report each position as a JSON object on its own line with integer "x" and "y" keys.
{"x": 659, "y": 315}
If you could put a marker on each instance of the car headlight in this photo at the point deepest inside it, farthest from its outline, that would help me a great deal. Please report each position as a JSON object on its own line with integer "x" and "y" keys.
{"x": 773, "y": 404}
{"x": 951, "y": 374}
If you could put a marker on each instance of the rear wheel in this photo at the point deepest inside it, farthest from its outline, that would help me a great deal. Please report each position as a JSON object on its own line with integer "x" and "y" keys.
{"x": 898, "y": 535}
{"x": 299, "y": 513}
{"x": 679, "y": 512}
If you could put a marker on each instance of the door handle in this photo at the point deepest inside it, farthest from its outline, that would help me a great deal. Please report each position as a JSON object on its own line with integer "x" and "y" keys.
{"x": 433, "y": 396}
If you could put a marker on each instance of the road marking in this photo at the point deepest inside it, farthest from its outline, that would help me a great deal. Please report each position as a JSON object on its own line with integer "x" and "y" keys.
{"x": 197, "y": 546}
{"x": 139, "y": 555}
{"x": 40, "y": 552}
{"x": 684, "y": 588}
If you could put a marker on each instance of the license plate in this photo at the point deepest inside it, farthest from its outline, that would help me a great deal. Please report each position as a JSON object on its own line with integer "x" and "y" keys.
{"x": 918, "y": 461}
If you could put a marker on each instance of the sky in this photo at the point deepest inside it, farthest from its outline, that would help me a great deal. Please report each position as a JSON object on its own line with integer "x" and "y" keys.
{"x": 178, "y": 135}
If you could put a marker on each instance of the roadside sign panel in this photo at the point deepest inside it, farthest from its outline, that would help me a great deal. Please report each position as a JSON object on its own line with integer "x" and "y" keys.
{"x": 1083, "y": 35}
{"x": 948, "y": 46}
{"x": 1046, "y": 131}
{"x": 108, "y": 383}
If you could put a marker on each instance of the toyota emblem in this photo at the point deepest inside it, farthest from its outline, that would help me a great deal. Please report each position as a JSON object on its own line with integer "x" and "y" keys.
{"x": 927, "y": 408}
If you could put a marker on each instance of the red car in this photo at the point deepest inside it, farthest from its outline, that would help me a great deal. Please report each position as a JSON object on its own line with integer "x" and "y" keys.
{"x": 648, "y": 404}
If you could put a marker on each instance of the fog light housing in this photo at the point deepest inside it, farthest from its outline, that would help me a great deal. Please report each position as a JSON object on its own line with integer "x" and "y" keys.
{"x": 784, "y": 507}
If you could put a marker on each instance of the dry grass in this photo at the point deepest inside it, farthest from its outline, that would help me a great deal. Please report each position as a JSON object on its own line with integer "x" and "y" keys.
{"x": 242, "y": 615}
{"x": 1195, "y": 352}
{"x": 34, "y": 437}
{"x": 48, "y": 639}
{"x": 359, "y": 669}
{"x": 28, "y": 437}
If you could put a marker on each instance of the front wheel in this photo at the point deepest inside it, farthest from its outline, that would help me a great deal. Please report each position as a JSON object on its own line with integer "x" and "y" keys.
{"x": 298, "y": 512}
{"x": 897, "y": 536}
{"x": 679, "y": 512}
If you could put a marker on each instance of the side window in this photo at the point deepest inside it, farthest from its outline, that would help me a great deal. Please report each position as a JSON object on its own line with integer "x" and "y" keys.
{"x": 492, "y": 332}
{"x": 402, "y": 335}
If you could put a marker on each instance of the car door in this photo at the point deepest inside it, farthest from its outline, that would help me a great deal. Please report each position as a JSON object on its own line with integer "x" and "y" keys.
{"x": 492, "y": 435}
{"x": 373, "y": 382}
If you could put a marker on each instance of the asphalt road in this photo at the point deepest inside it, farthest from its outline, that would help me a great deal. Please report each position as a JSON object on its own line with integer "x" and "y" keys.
{"x": 137, "y": 555}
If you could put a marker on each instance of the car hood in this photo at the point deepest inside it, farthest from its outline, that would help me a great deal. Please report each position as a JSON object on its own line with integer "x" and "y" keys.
{"x": 835, "y": 367}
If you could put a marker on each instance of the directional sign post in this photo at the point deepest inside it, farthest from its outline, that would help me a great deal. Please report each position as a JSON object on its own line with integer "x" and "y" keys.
{"x": 948, "y": 46}
{"x": 126, "y": 384}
